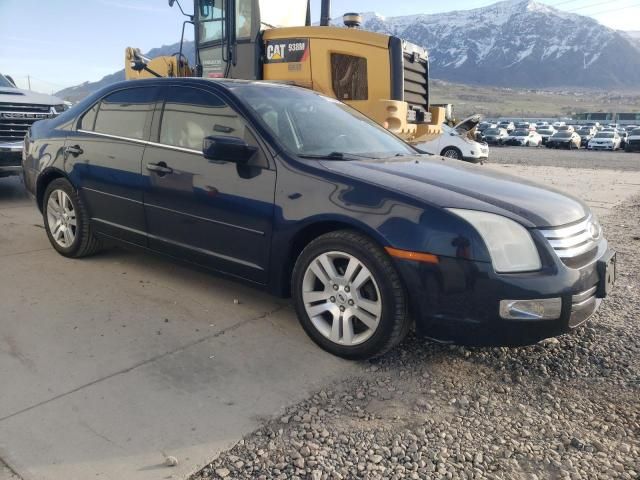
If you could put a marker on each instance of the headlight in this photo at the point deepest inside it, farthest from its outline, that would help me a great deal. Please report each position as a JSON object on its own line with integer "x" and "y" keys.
{"x": 60, "y": 108}
{"x": 510, "y": 244}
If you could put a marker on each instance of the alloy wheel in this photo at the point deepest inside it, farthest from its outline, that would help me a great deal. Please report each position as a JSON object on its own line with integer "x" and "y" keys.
{"x": 341, "y": 298}
{"x": 61, "y": 218}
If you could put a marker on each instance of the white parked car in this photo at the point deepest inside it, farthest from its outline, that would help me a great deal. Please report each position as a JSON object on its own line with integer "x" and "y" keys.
{"x": 526, "y": 138}
{"x": 455, "y": 142}
{"x": 605, "y": 141}
{"x": 545, "y": 132}
{"x": 558, "y": 124}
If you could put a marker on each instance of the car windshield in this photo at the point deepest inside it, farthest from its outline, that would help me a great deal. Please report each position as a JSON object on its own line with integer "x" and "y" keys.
{"x": 4, "y": 82}
{"x": 545, "y": 130}
{"x": 635, "y": 132}
{"x": 309, "y": 124}
{"x": 604, "y": 135}
{"x": 584, "y": 131}
{"x": 521, "y": 133}
{"x": 563, "y": 135}
{"x": 492, "y": 131}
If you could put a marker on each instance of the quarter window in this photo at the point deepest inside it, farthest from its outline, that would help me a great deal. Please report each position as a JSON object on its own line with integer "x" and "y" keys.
{"x": 349, "y": 77}
{"x": 124, "y": 113}
{"x": 89, "y": 119}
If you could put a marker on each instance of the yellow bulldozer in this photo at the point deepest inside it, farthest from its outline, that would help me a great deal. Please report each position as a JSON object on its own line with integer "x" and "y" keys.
{"x": 382, "y": 76}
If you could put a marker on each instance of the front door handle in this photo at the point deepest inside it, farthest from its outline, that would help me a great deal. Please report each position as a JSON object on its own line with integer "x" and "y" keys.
{"x": 160, "y": 168}
{"x": 74, "y": 150}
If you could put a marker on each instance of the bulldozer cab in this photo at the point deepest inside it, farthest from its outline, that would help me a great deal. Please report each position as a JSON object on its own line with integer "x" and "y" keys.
{"x": 229, "y": 33}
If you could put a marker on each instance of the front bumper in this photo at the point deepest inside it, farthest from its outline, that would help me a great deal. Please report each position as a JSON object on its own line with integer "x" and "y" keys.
{"x": 458, "y": 300}
{"x": 555, "y": 144}
{"x": 10, "y": 158}
{"x": 600, "y": 147}
{"x": 477, "y": 159}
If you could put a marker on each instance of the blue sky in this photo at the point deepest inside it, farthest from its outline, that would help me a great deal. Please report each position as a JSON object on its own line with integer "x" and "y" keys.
{"x": 65, "y": 42}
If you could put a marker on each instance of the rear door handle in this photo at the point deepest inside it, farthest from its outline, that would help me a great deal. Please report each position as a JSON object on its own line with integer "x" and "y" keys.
{"x": 160, "y": 168}
{"x": 74, "y": 150}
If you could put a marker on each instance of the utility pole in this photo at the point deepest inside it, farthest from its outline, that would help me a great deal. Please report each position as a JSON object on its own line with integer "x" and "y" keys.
{"x": 29, "y": 81}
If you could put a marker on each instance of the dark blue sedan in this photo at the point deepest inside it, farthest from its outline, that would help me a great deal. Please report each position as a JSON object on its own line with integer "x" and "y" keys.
{"x": 301, "y": 195}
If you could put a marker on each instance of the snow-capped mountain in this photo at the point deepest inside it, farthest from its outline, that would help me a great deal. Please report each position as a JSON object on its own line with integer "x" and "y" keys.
{"x": 518, "y": 43}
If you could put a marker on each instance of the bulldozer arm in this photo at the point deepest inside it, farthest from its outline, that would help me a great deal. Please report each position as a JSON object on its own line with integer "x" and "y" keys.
{"x": 138, "y": 66}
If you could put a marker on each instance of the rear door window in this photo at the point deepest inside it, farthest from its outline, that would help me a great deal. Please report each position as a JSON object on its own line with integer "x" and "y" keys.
{"x": 126, "y": 113}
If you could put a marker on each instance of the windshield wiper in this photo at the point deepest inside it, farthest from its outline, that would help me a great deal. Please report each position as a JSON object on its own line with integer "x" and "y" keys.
{"x": 334, "y": 156}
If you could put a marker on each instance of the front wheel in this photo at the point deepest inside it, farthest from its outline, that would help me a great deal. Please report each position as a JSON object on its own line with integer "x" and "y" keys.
{"x": 349, "y": 297}
{"x": 452, "y": 152}
{"x": 66, "y": 221}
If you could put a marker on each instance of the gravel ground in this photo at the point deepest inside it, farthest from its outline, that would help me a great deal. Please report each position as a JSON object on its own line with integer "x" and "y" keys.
{"x": 618, "y": 160}
{"x": 564, "y": 408}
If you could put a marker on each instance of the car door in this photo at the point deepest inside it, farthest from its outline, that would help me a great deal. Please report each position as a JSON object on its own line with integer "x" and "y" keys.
{"x": 215, "y": 213}
{"x": 104, "y": 156}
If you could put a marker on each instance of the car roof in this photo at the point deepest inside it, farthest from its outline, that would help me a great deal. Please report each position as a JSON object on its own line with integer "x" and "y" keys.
{"x": 212, "y": 83}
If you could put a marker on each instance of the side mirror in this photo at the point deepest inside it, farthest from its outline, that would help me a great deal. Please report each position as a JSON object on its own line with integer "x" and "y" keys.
{"x": 171, "y": 2}
{"x": 227, "y": 149}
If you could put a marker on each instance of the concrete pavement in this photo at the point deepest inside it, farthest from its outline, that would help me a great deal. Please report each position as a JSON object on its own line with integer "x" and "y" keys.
{"x": 109, "y": 364}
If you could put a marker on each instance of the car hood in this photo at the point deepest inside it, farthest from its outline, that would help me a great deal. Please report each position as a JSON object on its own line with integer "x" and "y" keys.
{"x": 18, "y": 96}
{"x": 451, "y": 183}
{"x": 468, "y": 124}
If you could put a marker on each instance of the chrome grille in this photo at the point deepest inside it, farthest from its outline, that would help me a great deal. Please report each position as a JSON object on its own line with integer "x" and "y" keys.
{"x": 574, "y": 240}
{"x": 16, "y": 118}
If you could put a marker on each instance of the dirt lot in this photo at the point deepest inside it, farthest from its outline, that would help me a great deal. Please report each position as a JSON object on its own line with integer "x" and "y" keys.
{"x": 111, "y": 364}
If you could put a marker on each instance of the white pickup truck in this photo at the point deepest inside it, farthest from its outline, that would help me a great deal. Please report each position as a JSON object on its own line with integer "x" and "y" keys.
{"x": 19, "y": 109}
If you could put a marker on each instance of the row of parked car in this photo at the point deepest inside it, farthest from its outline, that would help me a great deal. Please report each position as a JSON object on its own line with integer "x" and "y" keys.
{"x": 560, "y": 135}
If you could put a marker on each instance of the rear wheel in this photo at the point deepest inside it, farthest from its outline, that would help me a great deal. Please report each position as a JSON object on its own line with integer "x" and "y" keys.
{"x": 66, "y": 221}
{"x": 452, "y": 152}
{"x": 349, "y": 297}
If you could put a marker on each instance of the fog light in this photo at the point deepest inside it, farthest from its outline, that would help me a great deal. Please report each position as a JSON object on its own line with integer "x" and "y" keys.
{"x": 542, "y": 309}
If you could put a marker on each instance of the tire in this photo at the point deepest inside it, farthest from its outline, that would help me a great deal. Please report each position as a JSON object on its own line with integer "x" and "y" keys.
{"x": 452, "y": 152}
{"x": 351, "y": 338}
{"x": 81, "y": 242}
